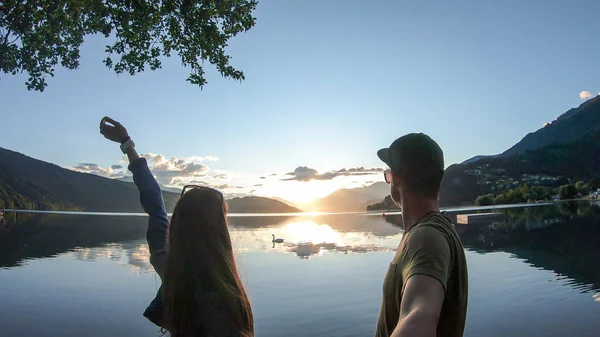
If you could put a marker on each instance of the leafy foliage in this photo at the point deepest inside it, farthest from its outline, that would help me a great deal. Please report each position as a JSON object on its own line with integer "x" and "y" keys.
{"x": 582, "y": 187}
{"x": 567, "y": 191}
{"x": 485, "y": 200}
{"x": 37, "y": 35}
{"x": 517, "y": 195}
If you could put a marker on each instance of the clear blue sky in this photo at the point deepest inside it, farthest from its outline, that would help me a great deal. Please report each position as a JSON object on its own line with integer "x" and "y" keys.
{"x": 327, "y": 84}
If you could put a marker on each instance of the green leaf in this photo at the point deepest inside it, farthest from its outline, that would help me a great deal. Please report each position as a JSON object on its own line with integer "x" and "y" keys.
{"x": 52, "y": 33}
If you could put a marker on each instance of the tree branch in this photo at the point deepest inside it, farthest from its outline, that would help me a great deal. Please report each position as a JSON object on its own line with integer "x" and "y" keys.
{"x": 16, "y": 38}
{"x": 8, "y": 31}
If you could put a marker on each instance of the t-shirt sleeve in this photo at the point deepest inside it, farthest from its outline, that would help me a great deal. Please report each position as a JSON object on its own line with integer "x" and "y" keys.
{"x": 427, "y": 252}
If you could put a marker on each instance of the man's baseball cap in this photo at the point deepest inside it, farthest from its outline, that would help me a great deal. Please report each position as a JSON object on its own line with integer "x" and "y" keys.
{"x": 414, "y": 156}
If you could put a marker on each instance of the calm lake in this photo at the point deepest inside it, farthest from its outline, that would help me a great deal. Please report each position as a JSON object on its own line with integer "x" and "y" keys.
{"x": 534, "y": 272}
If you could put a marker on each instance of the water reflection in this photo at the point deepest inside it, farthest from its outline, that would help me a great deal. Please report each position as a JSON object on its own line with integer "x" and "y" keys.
{"x": 39, "y": 235}
{"x": 314, "y": 236}
{"x": 135, "y": 255}
{"x": 308, "y": 249}
{"x": 561, "y": 238}
{"x": 314, "y": 239}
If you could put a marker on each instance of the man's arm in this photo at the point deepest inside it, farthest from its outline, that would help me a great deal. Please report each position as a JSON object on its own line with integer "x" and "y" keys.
{"x": 420, "y": 308}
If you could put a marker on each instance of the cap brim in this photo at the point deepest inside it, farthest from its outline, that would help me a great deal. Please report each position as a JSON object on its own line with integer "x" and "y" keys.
{"x": 384, "y": 155}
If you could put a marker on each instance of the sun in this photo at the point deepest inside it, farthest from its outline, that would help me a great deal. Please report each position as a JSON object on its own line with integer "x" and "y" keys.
{"x": 300, "y": 192}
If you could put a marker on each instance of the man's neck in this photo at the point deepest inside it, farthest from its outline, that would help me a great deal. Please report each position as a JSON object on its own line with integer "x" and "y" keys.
{"x": 414, "y": 210}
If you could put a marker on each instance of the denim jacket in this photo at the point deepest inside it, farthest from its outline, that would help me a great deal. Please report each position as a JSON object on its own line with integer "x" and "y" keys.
{"x": 153, "y": 204}
{"x": 216, "y": 318}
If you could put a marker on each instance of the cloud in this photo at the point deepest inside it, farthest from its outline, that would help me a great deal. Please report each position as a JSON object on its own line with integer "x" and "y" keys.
{"x": 159, "y": 158}
{"x": 263, "y": 177}
{"x": 303, "y": 173}
{"x": 217, "y": 186}
{"x": 224, "y": 186}
{"x": 258, "y": 185}
{"x": 172, "y": 171}
{"x": 154, "y": 158}
{"x": 585, "y": 95}
{"x": 92, "y": 168}
{"x": 171, "y": 175}
{"x": 220, "y": 176}
{"x": 199, "y": 182}
{"x": 176, "y": 171}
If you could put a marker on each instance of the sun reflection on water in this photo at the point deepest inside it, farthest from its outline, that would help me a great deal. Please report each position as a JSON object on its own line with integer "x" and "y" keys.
{"x": 309, "y": 231}
{"x": 309, "y": 237}
{"x": 303, "y": 236}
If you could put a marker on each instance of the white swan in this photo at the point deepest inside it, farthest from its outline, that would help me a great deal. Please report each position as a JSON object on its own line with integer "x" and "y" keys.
{"x": 276, "y": 240}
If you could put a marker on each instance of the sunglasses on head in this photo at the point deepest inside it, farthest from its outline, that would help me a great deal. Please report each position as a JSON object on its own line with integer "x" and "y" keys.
{"x": 387, "y": 175}
{"x": 187, "y": 188}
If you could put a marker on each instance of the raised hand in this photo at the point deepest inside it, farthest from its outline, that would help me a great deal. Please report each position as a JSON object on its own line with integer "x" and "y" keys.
{"x": 115, "y": 132}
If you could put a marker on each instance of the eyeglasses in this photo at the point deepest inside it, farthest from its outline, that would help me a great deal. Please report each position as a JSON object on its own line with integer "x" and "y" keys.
{"x": 193, "y": 187}
{"x": 387, "y": 175}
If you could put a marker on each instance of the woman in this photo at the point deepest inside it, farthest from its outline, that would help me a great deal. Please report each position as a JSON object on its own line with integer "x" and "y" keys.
{"x": 201, "y": 293}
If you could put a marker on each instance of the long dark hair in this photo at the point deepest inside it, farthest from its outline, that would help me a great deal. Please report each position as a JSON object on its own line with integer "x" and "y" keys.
{"x": 200, "y": 270}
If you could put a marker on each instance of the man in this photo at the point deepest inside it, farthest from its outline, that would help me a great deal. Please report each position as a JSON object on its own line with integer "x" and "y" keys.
{"x": 425, "y": 288}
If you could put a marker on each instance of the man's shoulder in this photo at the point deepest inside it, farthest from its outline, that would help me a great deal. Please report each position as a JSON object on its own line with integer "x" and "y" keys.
{"x": 438, "y": 218}
{"x": 426, "y": 238}
{"x": 434, "y": 224}
{"x": 426, "y": 233}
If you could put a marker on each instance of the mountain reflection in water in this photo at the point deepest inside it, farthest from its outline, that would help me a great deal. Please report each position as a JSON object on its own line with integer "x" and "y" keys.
{"x": 556, "y": 238}
{"x": 526, "y": 268}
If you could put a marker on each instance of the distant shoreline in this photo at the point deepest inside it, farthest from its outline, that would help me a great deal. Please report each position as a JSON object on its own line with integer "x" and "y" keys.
{"x": 453, "y": 209}
{"x": 306, "y": 214}
{"x": 233, "y": 215}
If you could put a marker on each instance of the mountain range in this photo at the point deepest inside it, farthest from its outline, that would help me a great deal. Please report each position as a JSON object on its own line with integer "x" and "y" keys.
{"x": 565, "y": 150}
{"x": 569, "y": 127}
{"x": 254, "y": 204}
{"x": 352, "y": 199}
{"x": 27, "y": 183}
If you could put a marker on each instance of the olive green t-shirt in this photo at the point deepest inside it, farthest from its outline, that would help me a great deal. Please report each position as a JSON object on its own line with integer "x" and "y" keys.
{"x": 431, "y": 247}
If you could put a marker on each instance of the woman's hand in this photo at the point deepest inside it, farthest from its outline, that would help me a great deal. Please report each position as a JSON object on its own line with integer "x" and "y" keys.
{"x": 115, "y": 132}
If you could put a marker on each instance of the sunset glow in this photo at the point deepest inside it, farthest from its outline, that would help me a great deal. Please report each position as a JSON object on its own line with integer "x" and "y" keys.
{"x": 307, "y": 192}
